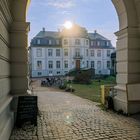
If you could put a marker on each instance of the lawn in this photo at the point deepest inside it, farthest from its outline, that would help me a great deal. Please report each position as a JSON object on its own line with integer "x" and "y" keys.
{"x": 92, "y": 91}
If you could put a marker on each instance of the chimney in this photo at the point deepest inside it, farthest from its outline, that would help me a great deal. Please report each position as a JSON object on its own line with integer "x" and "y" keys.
{"x": 43, "y": 29}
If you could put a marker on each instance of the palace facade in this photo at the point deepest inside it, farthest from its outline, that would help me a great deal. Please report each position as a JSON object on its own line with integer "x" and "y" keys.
{"x": 56, "y": 53}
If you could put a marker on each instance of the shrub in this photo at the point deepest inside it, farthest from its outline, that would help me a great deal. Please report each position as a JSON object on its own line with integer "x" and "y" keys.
{"x": 83, "y": 77}
{"x": 63, "y": 86}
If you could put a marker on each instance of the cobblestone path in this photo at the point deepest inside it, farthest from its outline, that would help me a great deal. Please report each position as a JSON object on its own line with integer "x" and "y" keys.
{"x": 64, "y": 116}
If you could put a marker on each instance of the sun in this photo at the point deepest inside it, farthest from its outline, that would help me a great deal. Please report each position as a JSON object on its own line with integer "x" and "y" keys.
{"x": 68, "y": 24}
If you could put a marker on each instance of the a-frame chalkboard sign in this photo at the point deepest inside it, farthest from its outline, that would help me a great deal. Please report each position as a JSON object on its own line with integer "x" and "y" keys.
{"x": 27, "y": 110}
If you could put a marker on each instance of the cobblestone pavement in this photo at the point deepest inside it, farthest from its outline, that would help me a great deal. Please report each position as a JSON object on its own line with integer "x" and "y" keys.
{"x": 64, "y": 116}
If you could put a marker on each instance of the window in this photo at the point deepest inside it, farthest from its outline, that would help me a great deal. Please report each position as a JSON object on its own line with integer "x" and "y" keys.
{"x": 92, "y": 52}
{"x": 87, "y": 52}
{"x": 87, "y": 42}
{"x": 77, "y": 52}
{"x": 57, "y": 42}
{"x": 77, "y": 42}
{"x": 57, "y": 64}
{"x": 39, "y": 52}
{"x": 99, "y": 64}
{"x": 92, "y": 43}
{"x": 50, "y": 42}
{"x": 57, "y": 52}
{"x": 50, "y": 72}
{"x": 58, "y": 72}
{"x": 65, "y": 42}
{"x": 92, "y": 64}
{"x": 87, "y": 64}
{"x": 65, "y": 52}
{"x": 108, "y": 53}
{"x": 39, "y": 65}
{"x": 50, "y": 52}
{"x": 65, "y": 64}
{"x": 38, "y": 41}
{"x": 98, "y": 43}
{"x": 108, "y": 64}
{"x": 99, "y": 53}
{"x": 107, "y": 43}
{"x": 39, "y": 73}
{"x": 50, "y": 64}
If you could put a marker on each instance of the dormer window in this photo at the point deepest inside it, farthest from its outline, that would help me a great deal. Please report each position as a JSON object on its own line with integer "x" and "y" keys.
{"x": 50, "y": 42}
{"x": 107, "y": 43}
{"x": 65, "y": 42}
{"x": 77, "y": 42}
{"x": 57, "y": 42}
{"x": 38, "y": 41}
{"x": 98, "y": 43}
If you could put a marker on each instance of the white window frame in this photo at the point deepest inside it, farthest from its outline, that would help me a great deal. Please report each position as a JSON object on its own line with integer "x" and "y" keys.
{"x": 77, "y": 41}
{"x": 99, "y": 65}
{"x": 108, "y": 53}
{"x": 92, "y": 53}
{"x": 108, "y": 66}
{"x": 50, "y": 64}
{"x": 50, "y": 52}
{"x": 39, "y": 65}
{"x": 50, "y": 42}
{"x": 66, "y": 64}
{"x": 66, "y": 53}
{"x": 98, "y": 43}
{"x": 58, "y": 52}
{"x": 58, "y": 64}
{"x": 39, "y": 52}
{"x": 87, "y": 42}
{"x": 87, "y": 52}
{"x": 99, "y": 53}
{"x": 57, "y": 42}
{"x": 65, "y": 41}
{"x": 38, "y": 41}
{"x": 77, "y": 52}
{"x": 92, "y": 64}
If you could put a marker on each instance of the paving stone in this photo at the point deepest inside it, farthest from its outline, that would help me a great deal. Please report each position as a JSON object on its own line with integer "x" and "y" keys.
{"x": 63, "y": 116}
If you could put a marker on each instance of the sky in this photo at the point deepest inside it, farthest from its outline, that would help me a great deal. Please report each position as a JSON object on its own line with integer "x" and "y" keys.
{"x": 94, "y": 15}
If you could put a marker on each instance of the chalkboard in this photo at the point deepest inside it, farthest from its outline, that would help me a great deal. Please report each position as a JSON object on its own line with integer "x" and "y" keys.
{"x": 27, "y": 110}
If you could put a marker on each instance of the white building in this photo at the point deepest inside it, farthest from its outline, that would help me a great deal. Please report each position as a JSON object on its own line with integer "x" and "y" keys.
{"x": 56, "y": 53}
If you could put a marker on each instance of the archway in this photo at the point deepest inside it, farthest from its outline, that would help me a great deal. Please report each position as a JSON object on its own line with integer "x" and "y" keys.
{"x": 127, "y": 56}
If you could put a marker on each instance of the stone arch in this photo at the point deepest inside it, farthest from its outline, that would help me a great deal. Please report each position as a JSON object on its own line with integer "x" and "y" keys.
{"x": 126, "y": 11}
{"x": 19, "y": 9}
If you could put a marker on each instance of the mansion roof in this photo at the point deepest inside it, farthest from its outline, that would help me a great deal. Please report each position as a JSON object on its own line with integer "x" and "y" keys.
{"x": 78, "y": 32}
{"x": 44, "y": 34}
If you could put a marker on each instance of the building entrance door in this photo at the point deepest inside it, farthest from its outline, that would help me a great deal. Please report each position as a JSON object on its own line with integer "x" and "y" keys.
{"x": 78, "y": 64}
